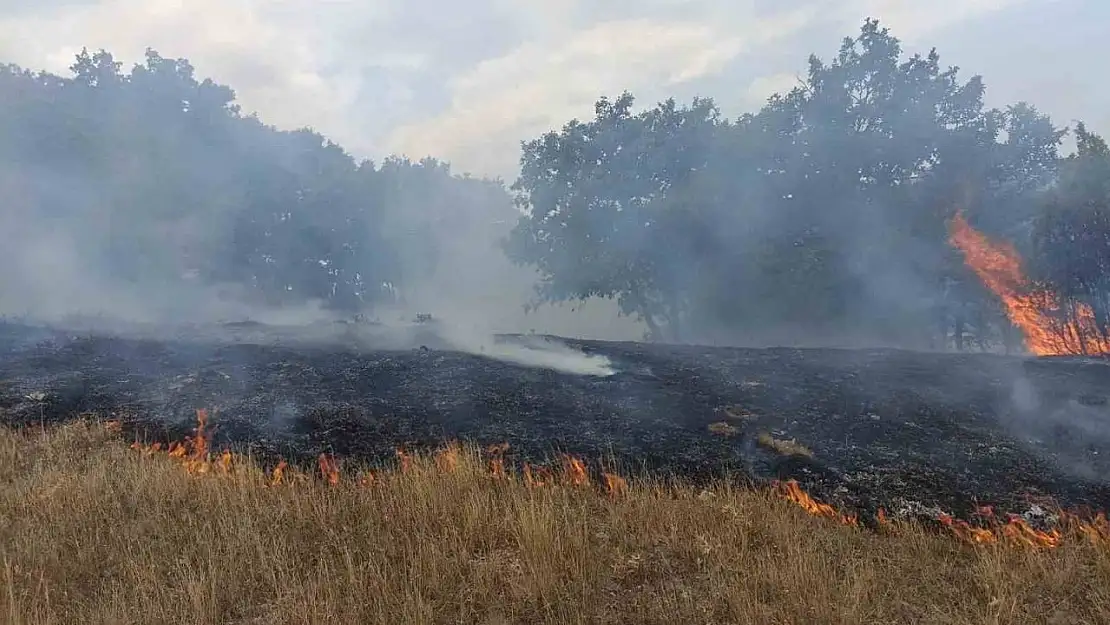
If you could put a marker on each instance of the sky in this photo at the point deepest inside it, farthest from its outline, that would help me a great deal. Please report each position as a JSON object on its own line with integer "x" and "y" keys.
{"x": 468, "y": 81}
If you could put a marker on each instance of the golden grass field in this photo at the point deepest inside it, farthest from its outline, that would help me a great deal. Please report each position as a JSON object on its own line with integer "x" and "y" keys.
{"x": 92, "y": 531}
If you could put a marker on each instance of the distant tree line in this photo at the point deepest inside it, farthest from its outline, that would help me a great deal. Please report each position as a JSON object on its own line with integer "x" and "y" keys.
{"x": 167, "y": 181}
{"x": 824, "y": 214}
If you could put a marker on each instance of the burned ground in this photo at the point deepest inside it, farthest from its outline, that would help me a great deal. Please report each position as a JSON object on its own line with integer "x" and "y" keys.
{"x": 904, "y": 430}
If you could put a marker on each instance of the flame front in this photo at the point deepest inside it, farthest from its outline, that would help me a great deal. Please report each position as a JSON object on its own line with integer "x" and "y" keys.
{"x": 791, "y": 491}
{"x": 1036, "y": 311}
{"x": 196, "y": 459}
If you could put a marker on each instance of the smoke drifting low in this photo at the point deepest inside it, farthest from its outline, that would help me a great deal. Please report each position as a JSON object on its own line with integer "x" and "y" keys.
{"x": 145, "y": 196}
{"x": 1075, "y": 426}
{"x": 143, "y": 202}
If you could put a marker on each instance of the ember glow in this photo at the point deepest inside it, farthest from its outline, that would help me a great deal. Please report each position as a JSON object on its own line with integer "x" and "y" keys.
{"x": 1036, "y": 311}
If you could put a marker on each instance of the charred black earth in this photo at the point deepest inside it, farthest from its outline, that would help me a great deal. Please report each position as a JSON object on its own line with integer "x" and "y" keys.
{"x": 912, "y": 432}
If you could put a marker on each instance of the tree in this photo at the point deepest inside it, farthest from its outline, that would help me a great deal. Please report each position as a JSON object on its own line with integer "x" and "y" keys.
{"x": 606, "y": 211}
{"x": 824, "y": 214}
{"x": 1071, "y": 233}
{"x": 159, "y": 189}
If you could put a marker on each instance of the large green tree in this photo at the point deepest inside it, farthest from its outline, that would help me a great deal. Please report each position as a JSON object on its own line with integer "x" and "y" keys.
{"x": 823, "y": 214}
{"x": 607, "y": 214}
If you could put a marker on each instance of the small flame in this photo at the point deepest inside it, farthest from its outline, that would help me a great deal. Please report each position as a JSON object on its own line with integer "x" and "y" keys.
{"x": 536, "y": 477}
{"x": 882, "y": 519}
{"x": 1036, "y": 311}
{"x": 329, "y": 468}
{"x": 278, "y": 473}
{"x": 574, "y": 471}
{"x": 497, "y": 459}
{"x": 1016, "y": 531}
{"x": 198, "y": 460}
{"x": 614, "y": 484}
{"x": 176, "y": 450}
{"x": 225, "y": 462}
{"x": 447, "y": 459}
{"x": 497, "y": 466}
{"x": 791, "y": 491}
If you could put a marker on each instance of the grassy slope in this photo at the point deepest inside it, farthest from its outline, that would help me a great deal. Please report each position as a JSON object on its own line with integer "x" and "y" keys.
{"x": 93, "y": 532}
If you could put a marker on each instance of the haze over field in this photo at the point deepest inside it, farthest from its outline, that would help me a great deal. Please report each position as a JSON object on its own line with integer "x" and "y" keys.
{"x": 691, "y": 220}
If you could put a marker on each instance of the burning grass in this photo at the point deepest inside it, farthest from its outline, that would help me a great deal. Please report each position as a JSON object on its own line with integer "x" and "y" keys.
{"x": 94, "y": 532}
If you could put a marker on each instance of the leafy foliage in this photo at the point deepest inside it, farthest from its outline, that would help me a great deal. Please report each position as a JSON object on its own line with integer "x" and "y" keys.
{"x": 822, "y": 214}
{"x": 159, "y": 179}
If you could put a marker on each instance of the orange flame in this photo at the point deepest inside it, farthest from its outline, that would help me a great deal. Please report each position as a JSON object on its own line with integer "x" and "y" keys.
{"x": 225, "y": 462}
{"x": 791, "y": 491}
{"x": 1034, "y": 310}
{"x": 574, "y": 471}
{"x": 1096, "y": 530}
{"x": 198, "y": 460}
{"x": 278, "y": 474}
{"x": 1016, "y": 531}
{"x": 614, "y": 484}
{"x": 536, "y": 477}
{"x": 447, "y": 459}
{"x": 497, "y": 460}
{"x": 882, "y": 519}
{"x": 497, "y": 466}
{"x": 329, "y": 468}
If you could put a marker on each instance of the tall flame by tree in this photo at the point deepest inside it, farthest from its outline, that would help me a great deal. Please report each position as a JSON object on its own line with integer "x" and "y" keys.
{"x": 1050, "y": 327}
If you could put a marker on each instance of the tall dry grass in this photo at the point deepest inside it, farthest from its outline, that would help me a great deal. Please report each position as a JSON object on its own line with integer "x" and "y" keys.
{"x": 93, "y": 532}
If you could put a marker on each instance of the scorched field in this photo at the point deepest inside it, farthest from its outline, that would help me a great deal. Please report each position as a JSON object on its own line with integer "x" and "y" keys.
{"x": 218, "y": 477}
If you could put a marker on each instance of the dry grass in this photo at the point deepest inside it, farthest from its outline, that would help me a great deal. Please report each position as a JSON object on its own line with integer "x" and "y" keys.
{"x": 92, "y": 532}
{"x": 722, "y": 428}
{"x": 783, "y": 447}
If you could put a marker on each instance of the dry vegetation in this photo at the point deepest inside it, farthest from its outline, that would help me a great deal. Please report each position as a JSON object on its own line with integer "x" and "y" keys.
{"x": 94, "y": 532}
{"x": 783, "y": 447}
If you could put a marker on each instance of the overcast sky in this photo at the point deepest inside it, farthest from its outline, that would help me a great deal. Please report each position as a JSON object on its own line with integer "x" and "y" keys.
{"x": 466, "y": 81}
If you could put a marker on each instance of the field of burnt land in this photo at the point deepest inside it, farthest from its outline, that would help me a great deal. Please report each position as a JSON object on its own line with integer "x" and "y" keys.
{"x": 914, "y": 433}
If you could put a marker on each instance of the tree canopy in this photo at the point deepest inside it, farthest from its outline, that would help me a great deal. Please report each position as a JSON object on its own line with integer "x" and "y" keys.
{"x": 154, "y": 182}
{"x": 822, "y": 214}
{"x": 822, "y": 217}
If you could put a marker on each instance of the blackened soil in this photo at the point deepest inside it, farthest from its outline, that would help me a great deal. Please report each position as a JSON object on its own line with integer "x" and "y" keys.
{"x": 908, "y": 431}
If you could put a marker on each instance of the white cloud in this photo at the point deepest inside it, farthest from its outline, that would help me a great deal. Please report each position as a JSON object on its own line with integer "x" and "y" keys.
{"x": 274, "y": 68}
{"x": 910, "y": 20}
{"x": 468, "y": 81}
{"x": 540, "y": 85}
{"x": 762, "y": 88}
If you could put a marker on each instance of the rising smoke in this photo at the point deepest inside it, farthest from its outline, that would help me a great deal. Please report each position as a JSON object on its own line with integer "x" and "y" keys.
{"x": 146, "y": 198}
{"x": 130, "y": 211}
